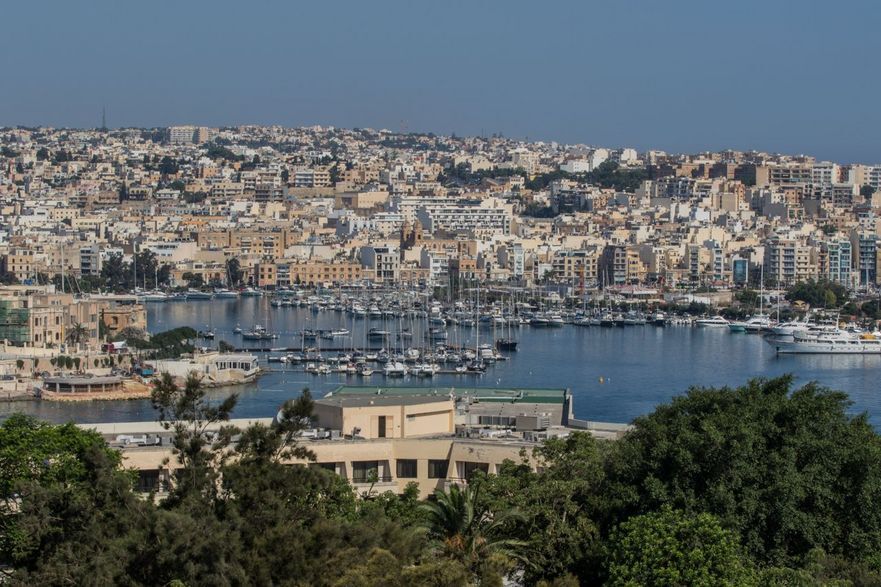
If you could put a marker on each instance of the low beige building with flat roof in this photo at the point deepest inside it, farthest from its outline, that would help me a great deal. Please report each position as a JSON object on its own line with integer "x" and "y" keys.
{"x": 384, "y": 438}
{"x": 386, "y": 416}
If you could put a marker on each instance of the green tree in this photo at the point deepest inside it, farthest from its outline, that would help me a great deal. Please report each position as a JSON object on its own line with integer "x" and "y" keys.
{"x": 819, "y": 293}
{"x": 35, "y": 455}
{"x": 553, "y": 500}
{"x": 234, "y": 271}
{"x": 116, "y": 273}
{"x": 77, "y": 334}
{"x": 199, "y": 439}
{"x": 194, "y": 280}
{"x": 675, "y": 548}
{"x": 789, "y": 471}
{"x": 748, "y": 297}
{"x": 168, "y": 166}
{"x": 466, "y": 531}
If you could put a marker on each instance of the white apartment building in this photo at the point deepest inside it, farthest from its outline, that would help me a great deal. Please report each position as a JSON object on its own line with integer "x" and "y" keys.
{"x": 489, "y": 216}
{"x": 437, "y": 263}
{"x": 576, "y": 166}
{"x": 172, "y": 252}
{"x": 824, "y": 173}
{"x": 312, "y": 178}
{"x": 384, "y": 262}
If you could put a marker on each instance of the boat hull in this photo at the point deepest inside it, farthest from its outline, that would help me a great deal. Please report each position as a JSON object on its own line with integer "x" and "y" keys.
{"x": 799, "y": 347}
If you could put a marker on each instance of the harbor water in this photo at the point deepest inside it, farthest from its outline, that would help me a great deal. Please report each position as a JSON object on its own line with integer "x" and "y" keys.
{"x": 614, "y": 374}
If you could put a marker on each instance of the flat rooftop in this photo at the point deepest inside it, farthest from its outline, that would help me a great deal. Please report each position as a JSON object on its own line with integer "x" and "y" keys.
{"x": 359, "y": 401}
{"x": 77, "y": 380}
{"x": 513, "y": 395}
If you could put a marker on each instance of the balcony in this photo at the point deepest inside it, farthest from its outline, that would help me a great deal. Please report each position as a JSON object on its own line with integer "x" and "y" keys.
{"x": 361, "y": 479}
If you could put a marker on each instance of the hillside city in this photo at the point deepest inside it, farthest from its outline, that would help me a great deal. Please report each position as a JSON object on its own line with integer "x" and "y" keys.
{"x": 465, "y": 480}
{"x": 322, "y": 205}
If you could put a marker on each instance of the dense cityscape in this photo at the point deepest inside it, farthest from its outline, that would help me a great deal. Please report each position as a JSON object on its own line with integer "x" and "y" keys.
{"x": 440, "y": 294}
{"x": 189, "y": 271}
{"x": 333, "y": 206}
{"x": 98, "y": 222}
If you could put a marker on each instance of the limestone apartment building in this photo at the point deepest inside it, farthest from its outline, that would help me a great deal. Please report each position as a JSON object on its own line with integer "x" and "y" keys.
{"x": 384, "y": 438}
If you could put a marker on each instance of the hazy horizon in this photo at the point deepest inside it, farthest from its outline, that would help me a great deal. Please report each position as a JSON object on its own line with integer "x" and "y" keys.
{"x": 682, "y": 78}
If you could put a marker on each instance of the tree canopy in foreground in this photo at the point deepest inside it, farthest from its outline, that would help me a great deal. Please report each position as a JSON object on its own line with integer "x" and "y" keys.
{"x": 758, "y": 485}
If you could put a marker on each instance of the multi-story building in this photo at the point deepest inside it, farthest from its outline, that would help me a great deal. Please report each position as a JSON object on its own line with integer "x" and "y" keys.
{"x": 836, "y": 261}
{"x": 25, "y": 264}
{"x": 577, "y": 266}
{"x": 384, "y": 440}
{"x": 39, "y": 317}
{"x": 438, "y": 265}
{"x": 91, "y": 260}
{"x": 465, "y": 218}
{"x": 784, "y": 174}
{"x": 865, "y": 257}
{"x": 789, "y": 261}
{"x": 383, "y": 262}
{"x": 265, "y": 275}
{"x": 620, "y": 265}
{"x": 312, "y": 178}
{"x": 186, "y": 135}
{"x": 315, "y": 273}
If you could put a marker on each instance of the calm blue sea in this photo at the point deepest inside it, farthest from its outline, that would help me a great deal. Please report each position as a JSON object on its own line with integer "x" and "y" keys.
{"x": 615, "y": 374}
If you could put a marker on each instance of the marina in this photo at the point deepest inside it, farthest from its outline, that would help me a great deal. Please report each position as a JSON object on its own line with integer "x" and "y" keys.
{"x": 615, "y": 373}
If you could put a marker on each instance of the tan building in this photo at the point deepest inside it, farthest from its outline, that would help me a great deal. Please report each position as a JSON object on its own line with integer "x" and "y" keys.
{"x": 265, "y": 275}
{"x": 317, "y": 272}
{"x": 429, "y": 436}
{"x": 265, "y": 243}
{"x": 386, "y": 416}
{"x": 576, "y": 265}
{"x": 25, "y": 264}
{"x": 38, "y": 317}
{"x": 120, "y": 317}
{"x": 788, "y": 261}
{"x": 361, "y": 200}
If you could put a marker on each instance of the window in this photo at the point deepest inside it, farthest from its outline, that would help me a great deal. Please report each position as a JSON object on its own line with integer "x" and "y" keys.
{"x": 497, "y": 420}
{"x": 468, "y": 468}
{"x": 381, "y": 432}
{"x": 364, "y": 471}
{"x": 437, "y": 469}
{"x": 407, "y": 468}
{"x": 148, "y": 480}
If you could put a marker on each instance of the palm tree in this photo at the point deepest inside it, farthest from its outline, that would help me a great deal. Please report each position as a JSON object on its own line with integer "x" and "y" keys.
{"x": 469, "y": 532}
{"x": 77, "y": 333}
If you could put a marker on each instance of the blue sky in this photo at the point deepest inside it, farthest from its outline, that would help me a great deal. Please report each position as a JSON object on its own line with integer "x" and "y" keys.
{"x": 680, "y": 75}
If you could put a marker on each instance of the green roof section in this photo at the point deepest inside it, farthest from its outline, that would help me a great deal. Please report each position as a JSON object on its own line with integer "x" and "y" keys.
{"x": 483, "y": 394}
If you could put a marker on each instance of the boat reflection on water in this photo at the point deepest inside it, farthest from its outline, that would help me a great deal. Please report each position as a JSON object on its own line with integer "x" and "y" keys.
{"x": 798, "y": 362}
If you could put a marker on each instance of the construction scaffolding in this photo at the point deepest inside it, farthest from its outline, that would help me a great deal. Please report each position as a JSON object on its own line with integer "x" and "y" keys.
{"x": 14, "y": 323}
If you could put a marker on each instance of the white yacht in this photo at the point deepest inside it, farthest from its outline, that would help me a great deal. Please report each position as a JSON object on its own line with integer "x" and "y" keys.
{"x": 826, "y": 342}
{"x": 394, "y": 369}
{"x": 737, "y": 326}
{"x": 714, "y": 322}
{"x": 790, "y": 328}
{"x": 155, "y": 296}
{"x": 758, "y": 323}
